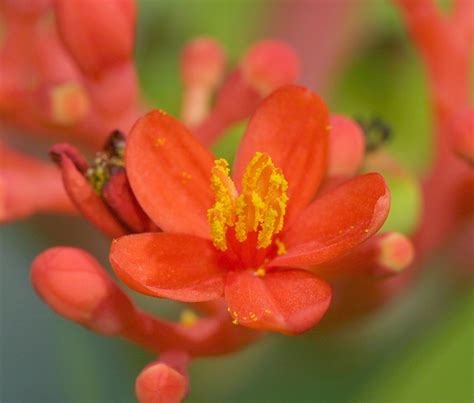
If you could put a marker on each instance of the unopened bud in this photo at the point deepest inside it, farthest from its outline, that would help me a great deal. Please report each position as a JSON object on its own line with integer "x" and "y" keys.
{"x": 346, "y": 146}
{"x": 161, "y": 383}
{"x": 98, "y": 34}
{"x": 74, "y": 285}
{"x": 269, "y": 65}
{"x": 202, "y": 67}
{"x": 202, "y": 63}
{"x": 462, "y": 127}
{"x": 395, "y": 253}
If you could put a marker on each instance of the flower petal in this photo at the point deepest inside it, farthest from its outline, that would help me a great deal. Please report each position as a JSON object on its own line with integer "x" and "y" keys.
{"x": 169, "y": 172}
{"x": 175, "y": 266}
{"x": 289, "y": 301}
{"x": 82, "y": 194}
{"x": 336, "y": 222}
{"x": 291, "y": 125}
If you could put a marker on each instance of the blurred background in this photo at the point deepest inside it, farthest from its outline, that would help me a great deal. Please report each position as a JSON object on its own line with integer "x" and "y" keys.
{"x": 417, "y": 349}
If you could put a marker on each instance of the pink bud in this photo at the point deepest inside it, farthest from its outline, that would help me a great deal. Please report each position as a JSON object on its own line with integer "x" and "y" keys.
{"x": 75, "y": 285}
{"x": 395, "y": 253}
{"x": 346, "y": 146}
{"x": 98, "y": 34}
{"x": 202, "y": 67}
{"x": 160, "y": 383}
{"x": 202, "y": 63}
{"x": 462, "y": 127}
{"x": 269, "y": 65}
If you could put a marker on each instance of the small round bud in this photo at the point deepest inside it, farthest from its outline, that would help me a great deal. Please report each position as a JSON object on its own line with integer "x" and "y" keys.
{"x": 75, "y": 286}
{"x": 202, "y": 63}
{"x": 269, "y": 65}
{"x": 160, "y": 383}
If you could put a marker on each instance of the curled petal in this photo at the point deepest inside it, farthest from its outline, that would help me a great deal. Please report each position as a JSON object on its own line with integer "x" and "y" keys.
{"x": 289, "y": 301}
{"x": 291, "y": 125}
{"x": 169, "y": 172}
{"x": 120, "y": 198}
{"x": 83, "y": 195}
{"x": 175, "y": 266}
{"x": 336, "y": 222}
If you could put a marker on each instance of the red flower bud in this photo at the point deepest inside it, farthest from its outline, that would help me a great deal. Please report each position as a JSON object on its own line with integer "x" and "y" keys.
{"x": 202, "y": 67}
{"x": 202, "y": 63}
{"x": 98, "y": 34}
{"x": 161, "y": 382}
{"x": 269, "y": 65}
{"x": 346, "y": 146}
{"x": 77, "y": 288}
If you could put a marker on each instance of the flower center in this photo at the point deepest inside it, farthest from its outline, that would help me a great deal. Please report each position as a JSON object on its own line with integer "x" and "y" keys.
{"x": 259, "y": 208}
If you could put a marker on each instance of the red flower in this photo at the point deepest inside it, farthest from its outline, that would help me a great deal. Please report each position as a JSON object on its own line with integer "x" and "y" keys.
{"x": 248, "y": 238}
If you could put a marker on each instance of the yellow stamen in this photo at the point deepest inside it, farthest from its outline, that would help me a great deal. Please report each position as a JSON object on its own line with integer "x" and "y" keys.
{"x": 222, "y": 214}
{"x": 260, "y": 207}
{"x": 260, "y": 272}
{"x": 281, "y": 248}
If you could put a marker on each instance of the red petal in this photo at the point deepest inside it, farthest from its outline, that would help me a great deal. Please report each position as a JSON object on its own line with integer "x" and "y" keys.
{"x": 84, "y": 197}
{"x": 119, "y": 197}
{"x": 289, "y": 301}
{"x": 175, "y": 266}
{"x": 169, "y": 172}
{"x": 336, "y": 222}
{"x": 291, "y": 125}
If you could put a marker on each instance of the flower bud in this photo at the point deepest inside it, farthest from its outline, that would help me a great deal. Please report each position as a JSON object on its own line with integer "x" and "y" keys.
{"x": 346, "y": 146}
{"x": 269, "y": 65}
{"x": 462, "y": 127}
{"x": 202, "y": 63}
{"x": 159, "y": 382}
{"x": 395, "y": 252}
{"x": 74, "y": 285}
{"x": 383, "y": 255}
{"x": 202, "y": 67}
{"x": 98, "y": 34}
